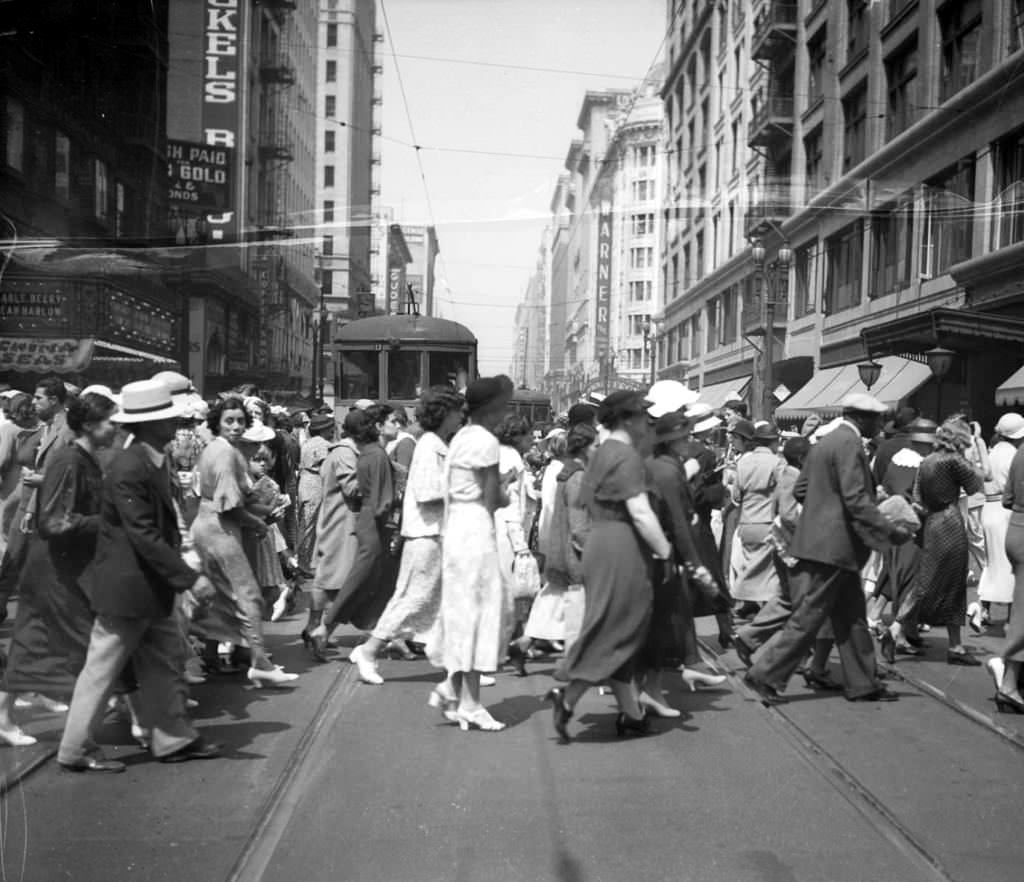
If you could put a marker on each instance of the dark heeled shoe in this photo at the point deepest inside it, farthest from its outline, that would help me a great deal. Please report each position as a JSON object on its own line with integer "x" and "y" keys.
{"x": 560, "y": 714}
{"x": 1006, "y": 704}
{"x": 823, "y": 682}
{"x": 314, "y": 646}
{"x": 517, "y": 658}
{"x": 888, "y": 646}
{"x": 625, "y": 725}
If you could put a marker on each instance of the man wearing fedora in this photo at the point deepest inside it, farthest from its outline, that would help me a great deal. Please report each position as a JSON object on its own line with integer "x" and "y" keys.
{"x": 131, "y": 584}
{"x": 839, "y": 525}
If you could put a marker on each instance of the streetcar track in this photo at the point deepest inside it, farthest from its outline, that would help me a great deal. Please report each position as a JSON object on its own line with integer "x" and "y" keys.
{"x": 858, "y": 795}
{"x": 292, "y": 784}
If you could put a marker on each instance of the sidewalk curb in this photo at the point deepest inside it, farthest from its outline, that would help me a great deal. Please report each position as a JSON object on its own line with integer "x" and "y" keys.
{"x": 28, "y": 760}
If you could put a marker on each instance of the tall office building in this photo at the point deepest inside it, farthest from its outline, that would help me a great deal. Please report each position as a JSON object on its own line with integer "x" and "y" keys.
{"x": 241, "y": 85}
{"x": 348, "y": 155}
{"x": 885, "y": 158}
{"x": 83, "y": 194}
{"x": 591, "y": 299}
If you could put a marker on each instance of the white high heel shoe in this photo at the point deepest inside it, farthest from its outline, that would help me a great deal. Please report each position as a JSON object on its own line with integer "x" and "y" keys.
{"x": 366, "y": 666}
{"x": 276, "y": 676}
{"x": 997, "y": 668}
{"x": 694, "y": 679}
{"x": 41, "y": 702}
{"x": 658, "y": 708}
{"x": 478, "y": 719}
{"x": 16, "y": 737}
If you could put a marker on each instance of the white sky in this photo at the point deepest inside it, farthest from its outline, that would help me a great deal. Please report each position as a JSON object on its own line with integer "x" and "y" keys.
{"x": 490, "y": 210}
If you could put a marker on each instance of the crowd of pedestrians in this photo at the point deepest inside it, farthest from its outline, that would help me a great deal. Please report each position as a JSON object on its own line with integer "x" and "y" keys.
{"x": 148, "y": 535}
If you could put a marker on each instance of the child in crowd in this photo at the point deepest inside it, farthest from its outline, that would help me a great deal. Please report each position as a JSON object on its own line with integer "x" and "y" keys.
{"x": 269, "y": 549}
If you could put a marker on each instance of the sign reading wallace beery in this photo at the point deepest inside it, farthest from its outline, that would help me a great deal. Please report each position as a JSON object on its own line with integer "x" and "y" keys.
{"x": 199, "y": 176}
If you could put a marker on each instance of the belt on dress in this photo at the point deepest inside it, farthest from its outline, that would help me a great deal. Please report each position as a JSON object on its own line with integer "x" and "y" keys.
{"x": 993, "y": 497}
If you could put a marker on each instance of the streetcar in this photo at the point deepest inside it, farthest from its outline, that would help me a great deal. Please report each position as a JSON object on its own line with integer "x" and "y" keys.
{"x": 534, "y": 406}
{"x": 394, "y": 358}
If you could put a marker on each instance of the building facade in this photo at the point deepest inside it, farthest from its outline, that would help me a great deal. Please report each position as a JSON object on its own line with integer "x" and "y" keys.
{"x": 349, "y": 107}
{"x": 531, "y": 328}
{"x": 242, "y": 86}
{"x": 595, "y": 289}
{"x": 886, "y": 161}
{"x": 83, "y": 195}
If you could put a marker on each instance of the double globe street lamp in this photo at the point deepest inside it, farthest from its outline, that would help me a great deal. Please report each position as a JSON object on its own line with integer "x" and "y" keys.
{"x": 773, "y": 277}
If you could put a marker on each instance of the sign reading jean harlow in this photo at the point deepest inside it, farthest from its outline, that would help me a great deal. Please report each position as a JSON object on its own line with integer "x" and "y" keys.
{"x": 602, "y": 300}
{"x": 43, "y": 355}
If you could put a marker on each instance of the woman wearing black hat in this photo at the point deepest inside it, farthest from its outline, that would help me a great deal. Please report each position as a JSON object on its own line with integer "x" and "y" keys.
{"x": 624, "y": 534}
{"x": 470, "y": 633}
{"x": 673, "y": 633}
{"x": 362, "y": 590}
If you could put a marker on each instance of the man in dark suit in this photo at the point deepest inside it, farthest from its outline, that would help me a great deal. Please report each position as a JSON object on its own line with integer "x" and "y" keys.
{"x": 839, "y": 526}
{"x": 131, "y": 584}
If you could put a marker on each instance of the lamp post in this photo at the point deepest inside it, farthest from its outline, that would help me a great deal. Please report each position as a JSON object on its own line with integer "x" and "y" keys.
{"x": 939, "y": 362}
{"x": 869, "y": 373}
{"x": 319, "y": 330}
{"x": 650, "y": 329}
{"x": 771, "y": 276}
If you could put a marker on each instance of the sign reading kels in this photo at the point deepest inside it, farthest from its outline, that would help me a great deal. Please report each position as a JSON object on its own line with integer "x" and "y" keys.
{"x": 221, "y": 72}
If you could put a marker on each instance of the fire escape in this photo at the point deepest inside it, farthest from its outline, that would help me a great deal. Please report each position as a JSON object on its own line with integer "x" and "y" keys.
{"x": 276, "y": 149}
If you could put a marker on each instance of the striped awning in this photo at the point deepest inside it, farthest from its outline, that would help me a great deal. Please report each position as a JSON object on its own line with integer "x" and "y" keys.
{"x": 825, "y": 391}
{"x": 1011, "y": 392}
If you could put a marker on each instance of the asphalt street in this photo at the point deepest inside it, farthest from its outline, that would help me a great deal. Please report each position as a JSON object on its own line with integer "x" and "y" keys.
{"x": 338, "y": 780}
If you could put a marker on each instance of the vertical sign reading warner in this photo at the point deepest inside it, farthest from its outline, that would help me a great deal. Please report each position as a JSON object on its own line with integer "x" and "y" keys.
{"x": 222, "y": 28}
{"x": 602, "y": 316}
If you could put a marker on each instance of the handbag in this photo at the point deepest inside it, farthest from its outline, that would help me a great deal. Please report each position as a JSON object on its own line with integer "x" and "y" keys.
{"x": 525, "y": 576}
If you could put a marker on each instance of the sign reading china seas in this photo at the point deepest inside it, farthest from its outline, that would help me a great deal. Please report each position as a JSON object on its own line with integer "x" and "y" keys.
{"x": 41, "y": 355}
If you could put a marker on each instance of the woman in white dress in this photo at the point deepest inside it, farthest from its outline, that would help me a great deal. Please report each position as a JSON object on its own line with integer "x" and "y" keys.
{"x": 996, "y": 584}
{"x": 471, "y": 628}
{"x": 413, "y": 607}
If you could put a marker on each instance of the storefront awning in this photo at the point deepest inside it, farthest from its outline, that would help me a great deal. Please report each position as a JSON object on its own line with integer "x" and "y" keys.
{"x": 1011, "y": 392}
{"x": 963, "y": 330}
{"x": 825, "y": 391}
{"x": 717, "y": 394}
{"x": 107, "y": 351}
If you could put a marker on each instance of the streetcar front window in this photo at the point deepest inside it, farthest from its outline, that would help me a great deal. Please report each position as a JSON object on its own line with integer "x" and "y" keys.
{"x": 403, "y": 374}
{"x": 448, "y": 369}
{"x": 359, "y": 375}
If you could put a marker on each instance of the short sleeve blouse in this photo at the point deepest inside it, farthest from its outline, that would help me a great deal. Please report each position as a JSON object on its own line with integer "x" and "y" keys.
{"x": 471, "y": 449}
{"x": 223, "y": 479}
{"x": 616, "y": 473}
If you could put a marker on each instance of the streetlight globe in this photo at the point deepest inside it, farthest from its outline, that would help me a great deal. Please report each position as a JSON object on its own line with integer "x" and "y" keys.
{"x": 785, "y": 256}
{"x": 940, "y": 361}
{"x": 758, "y": 253}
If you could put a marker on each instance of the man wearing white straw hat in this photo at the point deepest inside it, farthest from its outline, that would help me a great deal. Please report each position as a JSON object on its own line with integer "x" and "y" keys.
{"x": 132, "y": 584}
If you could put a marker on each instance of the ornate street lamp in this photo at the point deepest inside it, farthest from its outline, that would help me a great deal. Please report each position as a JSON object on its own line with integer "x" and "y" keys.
{"x": 869, "y": 373}
{"x": 939, "y": 362}
{"x": 771, "y": 276}
{"x": 650, "y": 331}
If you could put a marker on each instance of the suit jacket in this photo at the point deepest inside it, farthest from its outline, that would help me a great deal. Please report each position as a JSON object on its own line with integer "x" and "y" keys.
{"x": 138, "y": 567}
{"x": 840, "y": 523}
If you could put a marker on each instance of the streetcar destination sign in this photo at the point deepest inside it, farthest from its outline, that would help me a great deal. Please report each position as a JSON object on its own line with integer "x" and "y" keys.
{"x": 199, "y": 176}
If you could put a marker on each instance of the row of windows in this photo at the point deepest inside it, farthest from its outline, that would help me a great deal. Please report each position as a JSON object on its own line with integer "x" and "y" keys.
{"x": 46, "y": 158}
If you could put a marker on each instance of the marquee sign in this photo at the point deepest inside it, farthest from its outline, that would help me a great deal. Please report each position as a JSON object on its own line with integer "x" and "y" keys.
{"x": 222, "y": 66}
{"x": 602, "y": 317}
{"x": 44, "y": 355}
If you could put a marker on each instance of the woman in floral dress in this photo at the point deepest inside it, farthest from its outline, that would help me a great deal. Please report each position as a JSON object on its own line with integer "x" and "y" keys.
{"x": 938, "y": 595}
